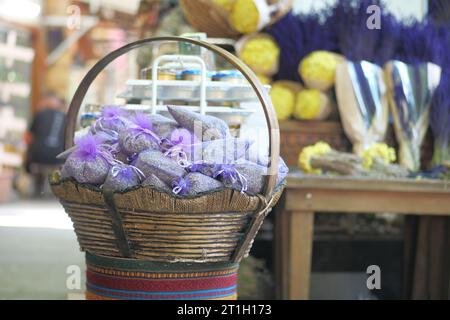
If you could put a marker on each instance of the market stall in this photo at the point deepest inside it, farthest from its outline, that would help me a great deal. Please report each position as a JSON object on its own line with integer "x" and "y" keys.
{"x": 355, "y": 106}
{"x": 295, "y": 143}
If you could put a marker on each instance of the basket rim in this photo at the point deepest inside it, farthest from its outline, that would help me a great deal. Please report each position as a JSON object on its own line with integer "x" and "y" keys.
{"x": 54, "y": 181}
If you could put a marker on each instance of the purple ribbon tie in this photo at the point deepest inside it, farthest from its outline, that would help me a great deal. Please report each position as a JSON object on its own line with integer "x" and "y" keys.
{"x": 116, "y": 169}
{"x": 229, "y": 172}
{"x": 176, "y": 148}
{"x": 181, "y": 186}
{"x": 147, "y": 132}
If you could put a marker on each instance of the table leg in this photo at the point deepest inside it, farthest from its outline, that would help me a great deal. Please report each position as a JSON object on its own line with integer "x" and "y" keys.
{"x": 301, "y": 225}
{"x": 282, "y": 253}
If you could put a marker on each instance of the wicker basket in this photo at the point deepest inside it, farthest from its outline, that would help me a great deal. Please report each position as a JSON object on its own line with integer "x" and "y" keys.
{"x": 147, "y": 224}
{"x": 151, "y": 225}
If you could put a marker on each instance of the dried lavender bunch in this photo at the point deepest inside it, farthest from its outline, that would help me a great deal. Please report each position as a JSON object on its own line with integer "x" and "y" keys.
{"x": 388, "y": 39}
{"x": 291, "y": 47}
{"x": 299, "y": 35}
{"x": 354, "y": 39}
{"x": 411, "y": 111}
{"x": 418, "y": 42}
{"x": 439, "y": 10}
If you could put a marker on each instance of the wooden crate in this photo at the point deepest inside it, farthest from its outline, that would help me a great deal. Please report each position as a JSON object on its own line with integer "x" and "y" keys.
{"x": 295, "y": 135}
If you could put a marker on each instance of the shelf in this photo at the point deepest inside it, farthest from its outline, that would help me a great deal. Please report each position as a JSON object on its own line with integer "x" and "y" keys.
{"x": 209, "y": 109}
{"x": 189, "y": 91}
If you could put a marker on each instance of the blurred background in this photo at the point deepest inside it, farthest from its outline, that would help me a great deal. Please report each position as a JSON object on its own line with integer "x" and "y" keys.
{"x": 46, "y": 47}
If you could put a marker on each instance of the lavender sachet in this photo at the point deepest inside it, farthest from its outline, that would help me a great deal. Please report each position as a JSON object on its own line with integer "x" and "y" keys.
{"x": 195, "y": 183}
{"x": 225, "y": 151}
{"x": 156, "y": 183}
{"x": 245, "y": 176}
{"x": 124, "y": 150}
{"x": 121, "y": 177}
{"x": 154, "y": 162}
{"x": 139, "y": 135}
{"x": 205, "y": 127}
{"x": 112, "y": 118}
{"x": 182, "y": 146}
{"x": 89, "y": 162}
{"x": 162, "y": 126}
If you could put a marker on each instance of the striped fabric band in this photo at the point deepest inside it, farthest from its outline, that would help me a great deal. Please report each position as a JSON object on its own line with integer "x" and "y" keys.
{"x": 118, "y": 278}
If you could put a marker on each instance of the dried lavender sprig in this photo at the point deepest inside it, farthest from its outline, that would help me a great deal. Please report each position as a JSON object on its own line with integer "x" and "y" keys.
{"x": 438, "y": 9}
{"x": 297, "y": 36}
{"x": 419, "y": 42}
{"x": 355, "y": 40}
{"x": 290, "y": 46}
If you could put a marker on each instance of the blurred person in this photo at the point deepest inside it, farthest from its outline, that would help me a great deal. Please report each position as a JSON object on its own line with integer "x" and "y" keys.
{"x": 45, "y": 140}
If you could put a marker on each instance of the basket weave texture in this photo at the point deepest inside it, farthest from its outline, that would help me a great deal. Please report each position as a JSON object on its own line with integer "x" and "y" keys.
{"x": 161, "y": 227}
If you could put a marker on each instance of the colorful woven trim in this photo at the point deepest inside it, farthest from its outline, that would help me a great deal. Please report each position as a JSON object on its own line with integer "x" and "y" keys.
{"x": 118, "y": 278}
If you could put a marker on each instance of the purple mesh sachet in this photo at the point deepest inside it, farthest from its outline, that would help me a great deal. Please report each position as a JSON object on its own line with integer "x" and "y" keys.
{"x": 182, "y": 144}
{"x": 139, "y": 136}
{"x": 262, "y": 158}
{"x": 155, "y": 162}
{"x": 121, "y": 156}
{"x": 89, "y": 162}
{"x": 205, "y": 127}
{"x": 224, "y": 151}
{"x": 194, "y": 183}
{"x": 244, "y": 176}
{"x": 156, "y": 183}
{"x": 107, "y": 136}
{"x": 112, "y": 118}
{"x": 202, "y": 167}
{"x": 121, "y": 177}
{"x": 162, "y": 126}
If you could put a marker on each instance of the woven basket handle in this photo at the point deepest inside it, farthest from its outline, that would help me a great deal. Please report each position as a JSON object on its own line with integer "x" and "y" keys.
{"x": 271, "y": 119}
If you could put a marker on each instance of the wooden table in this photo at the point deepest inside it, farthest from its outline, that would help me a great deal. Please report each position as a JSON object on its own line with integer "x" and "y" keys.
{"x": 306, "y": 195}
